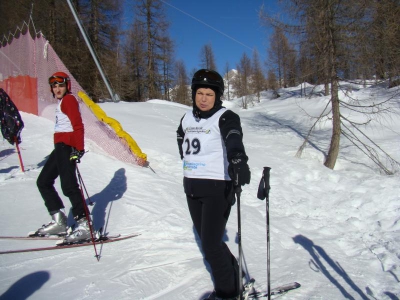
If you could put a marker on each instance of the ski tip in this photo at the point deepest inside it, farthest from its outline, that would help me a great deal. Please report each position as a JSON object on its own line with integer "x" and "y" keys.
{"x": 276, "y": 291}
{"x": 61, "y": 242}
{"x": 35, "y": 234}
{"x": 251, "y": 280}
{"x": 250, "y": 283}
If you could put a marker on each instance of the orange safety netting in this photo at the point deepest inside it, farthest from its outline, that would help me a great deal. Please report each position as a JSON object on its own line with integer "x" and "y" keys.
{"x": 23, "y": 91}
{"x": 25, "y": 66}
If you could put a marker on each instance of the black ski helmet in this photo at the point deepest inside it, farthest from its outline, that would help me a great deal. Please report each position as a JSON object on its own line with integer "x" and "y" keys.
{"x": 208, "y": 78}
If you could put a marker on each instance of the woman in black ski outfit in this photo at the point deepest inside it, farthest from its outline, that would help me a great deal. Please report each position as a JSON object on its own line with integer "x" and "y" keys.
{"x": 211, "y": 147}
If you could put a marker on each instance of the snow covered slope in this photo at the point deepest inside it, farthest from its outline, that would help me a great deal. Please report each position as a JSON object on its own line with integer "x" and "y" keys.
{"x": 334, "y": 231}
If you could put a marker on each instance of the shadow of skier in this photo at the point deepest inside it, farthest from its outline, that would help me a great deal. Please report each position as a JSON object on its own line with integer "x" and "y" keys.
{"x": 112, "y": 192}
{"x": 26, "y": 286}
{"x": 6, "y": 152}
{"x": 318, "y": 253}
{"x": 8, "y": 170}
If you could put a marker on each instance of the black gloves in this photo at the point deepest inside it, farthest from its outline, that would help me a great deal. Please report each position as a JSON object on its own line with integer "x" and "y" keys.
{"x": 238, "y": 170}
{"x": 76, "y": 155}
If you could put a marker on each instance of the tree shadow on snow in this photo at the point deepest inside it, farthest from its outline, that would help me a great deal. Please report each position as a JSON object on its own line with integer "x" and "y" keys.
{"x": 112, "y": 192}
{"x": 26, "y": 286}
{"x": 391, "y": 296}
{"x": 318, "y": 264}
{"x": 276, "y": 124}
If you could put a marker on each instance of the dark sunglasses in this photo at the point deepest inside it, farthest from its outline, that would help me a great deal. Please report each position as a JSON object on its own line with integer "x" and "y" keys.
{"x": 208, "y": 76}
{"x": 57, "y": 80}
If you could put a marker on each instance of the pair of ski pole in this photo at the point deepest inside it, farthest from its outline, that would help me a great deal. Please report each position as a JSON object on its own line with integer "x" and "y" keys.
{"x": 263, "y": 193}
{"x": 87, "y": 213}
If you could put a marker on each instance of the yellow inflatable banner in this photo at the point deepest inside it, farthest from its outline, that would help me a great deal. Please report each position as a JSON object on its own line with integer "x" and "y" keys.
{"x": 114, "y": 124}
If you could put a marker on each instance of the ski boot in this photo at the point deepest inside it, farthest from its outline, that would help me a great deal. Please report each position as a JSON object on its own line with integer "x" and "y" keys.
{"x": 57, "y": 226}
{"x": 80, "y": 234}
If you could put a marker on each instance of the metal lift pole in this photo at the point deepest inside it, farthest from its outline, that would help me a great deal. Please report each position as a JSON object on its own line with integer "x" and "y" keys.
{"x": 114, "y": 97}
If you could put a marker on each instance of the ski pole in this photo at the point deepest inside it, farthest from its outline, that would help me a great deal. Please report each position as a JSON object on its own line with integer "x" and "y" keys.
{"x": 238, "y": 191}
{"x": 87, "y": 212}
{"x": 266, "y": 178}
{"x": 19, "y": 154}
{"x": 263, "y": 193}
{"x": 83, "y": 184}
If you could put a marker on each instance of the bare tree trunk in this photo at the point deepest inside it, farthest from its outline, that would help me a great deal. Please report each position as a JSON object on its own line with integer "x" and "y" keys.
{"x": 327, "y": 75}
{"x": 326, "y": 80}
{"x": 150, "y": 59}
{"x": 331, "y": 69}
{"x": 207, "y": 57}
{"x": 336, "y": 128}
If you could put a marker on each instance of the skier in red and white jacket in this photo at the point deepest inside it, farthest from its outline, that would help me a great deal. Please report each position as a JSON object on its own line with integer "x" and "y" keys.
{"x": 68, "y": 150}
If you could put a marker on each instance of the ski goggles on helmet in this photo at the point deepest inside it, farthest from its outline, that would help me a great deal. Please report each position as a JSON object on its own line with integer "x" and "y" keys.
{"x": 207, "y": 76}
{"x": 57, "y": 80}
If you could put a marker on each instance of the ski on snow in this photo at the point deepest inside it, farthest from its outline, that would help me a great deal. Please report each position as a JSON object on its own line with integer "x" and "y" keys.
{"x": 276, "y": 291}
{"x": 100, "y": 240}
{"x": 48, "y": 237}
{"x": 32, "y": 238}
{"x": 247, "y": 288}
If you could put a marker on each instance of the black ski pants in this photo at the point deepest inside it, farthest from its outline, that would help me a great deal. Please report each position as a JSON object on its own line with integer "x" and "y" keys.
{"x": 58, "y": 164}
{"x": 210, "y": 214}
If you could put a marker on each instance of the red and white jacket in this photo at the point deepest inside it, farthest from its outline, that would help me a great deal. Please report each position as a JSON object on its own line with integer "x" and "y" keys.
{"x": 69, "y": 128}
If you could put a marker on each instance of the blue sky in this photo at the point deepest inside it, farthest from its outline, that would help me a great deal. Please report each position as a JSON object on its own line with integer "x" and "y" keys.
{"x": 232, "y": 27}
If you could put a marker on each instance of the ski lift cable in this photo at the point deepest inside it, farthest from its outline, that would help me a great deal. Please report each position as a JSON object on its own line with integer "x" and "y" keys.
{"x": 204, "y": 23}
